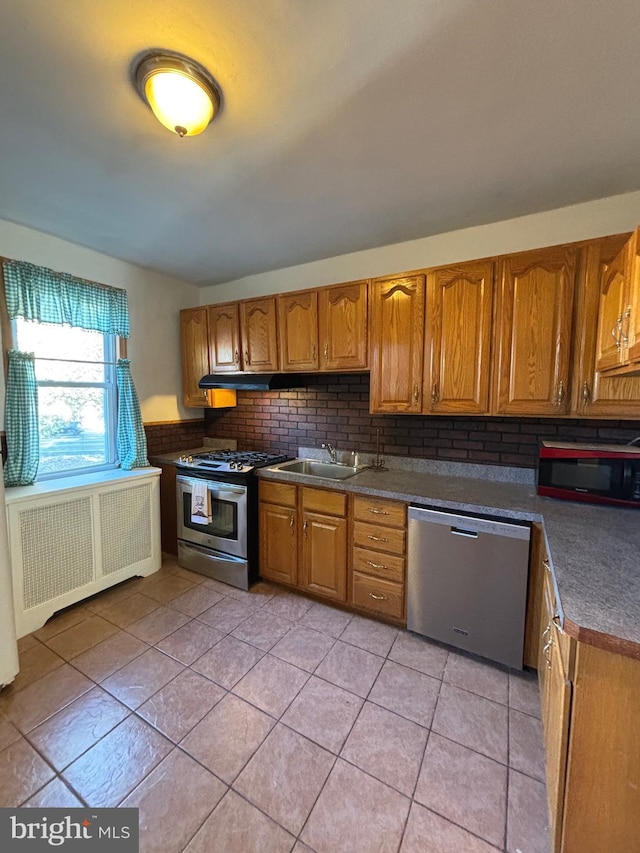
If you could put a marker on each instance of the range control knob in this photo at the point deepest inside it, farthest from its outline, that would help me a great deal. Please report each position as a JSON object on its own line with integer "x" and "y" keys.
{"x": 185, "y": 459}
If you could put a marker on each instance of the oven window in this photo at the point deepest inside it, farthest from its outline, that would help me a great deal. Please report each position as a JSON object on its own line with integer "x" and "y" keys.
{"x": 224, "y": 518}
{"x": 589, "y": 474}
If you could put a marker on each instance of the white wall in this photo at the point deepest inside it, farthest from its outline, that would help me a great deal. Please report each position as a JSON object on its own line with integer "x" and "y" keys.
{"x": 565, "y": 225}
{"x": 154, "y": 303}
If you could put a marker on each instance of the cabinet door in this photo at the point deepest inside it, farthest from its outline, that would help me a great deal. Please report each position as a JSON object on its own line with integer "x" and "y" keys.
{"x": 397, "y": 334}
{"x": 595, "y": 393}
{"x": 556, "y": 714}
{"x": 633, "y": 308}
{"x": 224, "y": 340}
{"x": 259, "y": 334}
{"x": 194, "y": 340}
{"x": 458, "y": 339}
{"x": 342, "y": 312}
{"x": 534, "y": 332}
{"x": 611, "y": 320}
{"x": 324, "y": 555}
{"x": 278, "y": 543}
{"x": 298, "y": 322}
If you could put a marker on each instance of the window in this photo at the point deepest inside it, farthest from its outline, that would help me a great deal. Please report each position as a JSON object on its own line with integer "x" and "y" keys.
{"x": 76, "y": 377}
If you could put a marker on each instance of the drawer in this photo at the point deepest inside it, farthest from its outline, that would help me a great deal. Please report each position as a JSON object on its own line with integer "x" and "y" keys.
{"x": 376, "y": 511}
{"x": 377, "y": 538}
{"x": 283, "y": 494}
{"x": 319, "y": 500}
{"x": 378, "y": 596}
{"x": 387, "y": 566}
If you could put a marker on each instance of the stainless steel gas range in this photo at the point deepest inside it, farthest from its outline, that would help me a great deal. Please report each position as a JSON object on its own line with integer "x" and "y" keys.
{"x": 217, "y": 498}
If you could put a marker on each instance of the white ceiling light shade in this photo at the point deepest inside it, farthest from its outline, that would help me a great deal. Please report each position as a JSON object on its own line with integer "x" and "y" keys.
{"x": 183, "y": 96}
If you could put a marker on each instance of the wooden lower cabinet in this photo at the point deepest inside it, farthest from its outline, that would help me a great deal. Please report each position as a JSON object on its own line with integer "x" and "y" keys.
{"x": 590, "y": 699}
{"x": 324, "y": 555}
{"x": 278, "y": 532}
{"x": 378, "y": 562}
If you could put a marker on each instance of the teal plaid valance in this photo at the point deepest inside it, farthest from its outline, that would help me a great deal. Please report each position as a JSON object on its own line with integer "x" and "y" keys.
{"x": 38, "y": 293}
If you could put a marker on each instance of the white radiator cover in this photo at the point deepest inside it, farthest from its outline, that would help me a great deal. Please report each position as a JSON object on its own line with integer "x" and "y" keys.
{"x": 68, "y": 542}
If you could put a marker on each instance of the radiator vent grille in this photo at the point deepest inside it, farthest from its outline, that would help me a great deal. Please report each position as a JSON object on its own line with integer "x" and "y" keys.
{"x": 125, "y": 522}
{"x": 54, "y": 564}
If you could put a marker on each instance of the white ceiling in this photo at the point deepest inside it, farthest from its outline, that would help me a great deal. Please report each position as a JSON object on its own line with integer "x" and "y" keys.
{"x": 346, "y": 124}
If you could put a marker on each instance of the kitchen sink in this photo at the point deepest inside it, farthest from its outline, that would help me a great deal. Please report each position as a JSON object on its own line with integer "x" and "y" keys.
{"x": 314, "y": 468}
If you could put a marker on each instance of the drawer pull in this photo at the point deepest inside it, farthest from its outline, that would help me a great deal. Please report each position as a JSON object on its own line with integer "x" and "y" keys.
{"x": 378, "y": 511}
{"x": 378, "y": 538}
{"x": 546, "y": 564}
{"x": 376, "y": 565}
{"x": 378, "y": 597}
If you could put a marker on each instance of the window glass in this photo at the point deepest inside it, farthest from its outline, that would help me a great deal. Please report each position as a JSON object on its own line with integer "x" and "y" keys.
{"x": 75, "y": 371}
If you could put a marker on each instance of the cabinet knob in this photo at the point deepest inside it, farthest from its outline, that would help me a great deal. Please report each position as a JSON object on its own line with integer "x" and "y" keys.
{"x": 586, "y": 394}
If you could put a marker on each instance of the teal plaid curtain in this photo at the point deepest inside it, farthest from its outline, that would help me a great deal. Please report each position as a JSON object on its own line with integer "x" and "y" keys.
{"x": 130, "y": 440}
{"x": 21, "y": 421}
{"x": 38, "y": 293}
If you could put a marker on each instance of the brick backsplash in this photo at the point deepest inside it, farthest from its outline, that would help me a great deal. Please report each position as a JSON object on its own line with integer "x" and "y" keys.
{"x": 336, "y": 408}
{"x": 178, "y": 435}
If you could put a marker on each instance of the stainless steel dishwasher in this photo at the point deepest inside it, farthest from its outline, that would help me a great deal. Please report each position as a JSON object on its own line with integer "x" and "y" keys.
{"x": 467, "y": 582}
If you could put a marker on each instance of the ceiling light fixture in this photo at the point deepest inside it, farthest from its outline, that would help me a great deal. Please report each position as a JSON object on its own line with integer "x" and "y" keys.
{"x": 183, "y": 95}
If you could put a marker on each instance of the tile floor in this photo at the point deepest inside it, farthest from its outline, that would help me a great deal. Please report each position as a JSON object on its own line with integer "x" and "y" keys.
{"x": 262, "y": 721}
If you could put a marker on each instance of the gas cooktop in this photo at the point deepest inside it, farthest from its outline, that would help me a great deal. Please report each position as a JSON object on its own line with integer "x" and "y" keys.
{"x": 236, "y": 461}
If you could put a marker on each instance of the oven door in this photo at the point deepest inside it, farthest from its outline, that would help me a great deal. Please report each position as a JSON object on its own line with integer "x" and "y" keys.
{"x": 227, "y": 530}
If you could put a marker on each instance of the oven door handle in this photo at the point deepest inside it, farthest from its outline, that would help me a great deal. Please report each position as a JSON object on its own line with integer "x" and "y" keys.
{"x": 216, "y": 488}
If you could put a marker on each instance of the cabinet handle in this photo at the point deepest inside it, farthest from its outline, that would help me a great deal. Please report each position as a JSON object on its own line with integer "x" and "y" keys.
{"x": 291, "y": 523}
{"x": 546, "y": 632}
{"x": 616, "y": 332}
{"x": 236, "y": 357}
{"x": 247, "y": 360}
{"x": 378, "y": 511}
{"x": 313, "y": 352}
{"x": 586, "y": 394}
{"x": 560, "y": 393}
{"x": 378, "y": 597}
{"x": 304, "y": 528}
{"x": 205, "y": 394}
{"x": 376, "y": 565}
{"x": 326, "y": 351}
{"x": 434, "y": 392}
{"x": 378, "y": 538}
{"x": 415, "y": 393}
{"x": 546, "y": 564}
{"x": 624, "y": 336}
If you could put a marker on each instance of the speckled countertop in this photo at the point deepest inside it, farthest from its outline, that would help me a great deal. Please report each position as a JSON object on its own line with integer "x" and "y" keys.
{"x": 594, "y": 549}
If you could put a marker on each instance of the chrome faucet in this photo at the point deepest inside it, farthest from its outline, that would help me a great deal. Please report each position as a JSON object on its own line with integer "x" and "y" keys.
{"x": 331, "y": 451}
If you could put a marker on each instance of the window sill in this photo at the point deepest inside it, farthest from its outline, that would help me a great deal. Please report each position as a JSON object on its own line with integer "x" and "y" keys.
{"x": 60, "y": 485}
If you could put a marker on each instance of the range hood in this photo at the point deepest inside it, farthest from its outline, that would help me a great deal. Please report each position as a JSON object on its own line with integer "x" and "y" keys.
{"x": 253, "y": 381}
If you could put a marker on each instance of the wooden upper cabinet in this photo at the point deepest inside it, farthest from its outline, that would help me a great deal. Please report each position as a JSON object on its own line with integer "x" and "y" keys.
{"x": 596, "y": 393}
{"x": 194, "y": 342}
{"x": 224, "y": 338}
{"x": 458, "y": 339}
{"x": 397, "y": 333}
{"x": 533, "y": 332}
{"x": 342, "y": 313}
{"x": 258, "y": 332}
{"x": 633, "y": 327}
{"x": 611, "y": 314}
{"x": 298, "y": 329}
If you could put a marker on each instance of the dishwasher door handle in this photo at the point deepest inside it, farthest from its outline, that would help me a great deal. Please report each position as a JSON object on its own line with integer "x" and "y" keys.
{"x": 459, "y": 531}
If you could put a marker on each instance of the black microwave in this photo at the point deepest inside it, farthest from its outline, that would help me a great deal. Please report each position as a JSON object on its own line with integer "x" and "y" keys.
{"x": 606, "y": 473}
